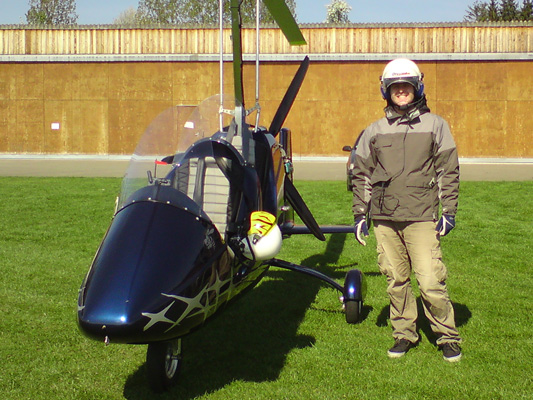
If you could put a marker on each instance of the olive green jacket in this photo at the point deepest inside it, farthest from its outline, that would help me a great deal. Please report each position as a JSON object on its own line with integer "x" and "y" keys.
{"x": 404, "y": 166}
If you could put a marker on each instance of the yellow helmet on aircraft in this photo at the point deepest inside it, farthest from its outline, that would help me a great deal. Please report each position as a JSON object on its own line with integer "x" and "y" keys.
{"x": 264, "y": 237}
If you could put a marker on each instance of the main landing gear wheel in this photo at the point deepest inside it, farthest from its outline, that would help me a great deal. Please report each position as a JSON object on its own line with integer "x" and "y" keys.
{"x": 354, "y": 292}
{"x": 163, "y": 364}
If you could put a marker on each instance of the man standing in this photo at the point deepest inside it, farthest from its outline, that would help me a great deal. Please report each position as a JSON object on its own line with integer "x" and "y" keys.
{"x": 406, "y": 166}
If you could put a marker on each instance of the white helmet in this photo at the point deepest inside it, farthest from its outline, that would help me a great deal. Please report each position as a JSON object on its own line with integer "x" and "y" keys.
{"x": 402, "y": 70}
{"x": 264, "y": 237}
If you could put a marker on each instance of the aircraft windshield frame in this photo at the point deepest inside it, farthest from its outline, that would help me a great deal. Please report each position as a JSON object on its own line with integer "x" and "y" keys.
{"x": 174, "y": 137}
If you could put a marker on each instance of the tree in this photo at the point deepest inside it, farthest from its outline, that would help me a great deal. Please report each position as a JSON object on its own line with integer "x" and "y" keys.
{"x": 509, "y": 10}
{"x": 337, "y": 12}
{"x": 477, "y": 12}
{"x": 493, "y": 11}
{"x": 127, "y": 17}
{"x": 160, "y": 11}
{"x": 504, "y": 10}
{"x": 526, "y": 12}
{"x": 52, "y": 12}
{"x": 200, "y": 11}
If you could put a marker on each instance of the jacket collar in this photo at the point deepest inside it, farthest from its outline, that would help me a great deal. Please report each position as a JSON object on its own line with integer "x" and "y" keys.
{"x": 410, "y": 115}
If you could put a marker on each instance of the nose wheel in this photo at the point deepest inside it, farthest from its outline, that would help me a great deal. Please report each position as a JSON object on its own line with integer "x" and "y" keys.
{"x": 163, "y": 364}
{"x": 352, "y": 310}
{"x": 353, "y": 293}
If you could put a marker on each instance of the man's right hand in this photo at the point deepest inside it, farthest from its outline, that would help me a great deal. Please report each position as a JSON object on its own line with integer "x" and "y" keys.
{"x": 360, "y": 229}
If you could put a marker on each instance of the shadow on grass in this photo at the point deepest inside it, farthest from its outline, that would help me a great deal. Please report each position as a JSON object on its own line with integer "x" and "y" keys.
{"x": 251, "y": 340}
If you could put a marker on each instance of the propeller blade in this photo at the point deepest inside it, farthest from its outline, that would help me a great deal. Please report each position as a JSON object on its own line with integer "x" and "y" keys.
{"x": 299, "y": 206}
{"x": 288, "y": 99}
{"x": 283, "y": 17}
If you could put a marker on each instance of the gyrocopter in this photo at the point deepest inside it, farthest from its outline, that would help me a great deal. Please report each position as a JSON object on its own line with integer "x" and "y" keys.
{"x": 202, "y": 211}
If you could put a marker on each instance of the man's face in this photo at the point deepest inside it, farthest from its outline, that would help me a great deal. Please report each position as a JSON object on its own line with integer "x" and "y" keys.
{"x": 402, "y": 93}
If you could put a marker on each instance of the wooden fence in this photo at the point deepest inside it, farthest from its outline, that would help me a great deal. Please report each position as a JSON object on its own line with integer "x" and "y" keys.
{"x": 353, "y": 38}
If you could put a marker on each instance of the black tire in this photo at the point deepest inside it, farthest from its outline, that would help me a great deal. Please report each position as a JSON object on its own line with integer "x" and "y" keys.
{"x": 163, "y": 364}
{"x": 353, "y": 310}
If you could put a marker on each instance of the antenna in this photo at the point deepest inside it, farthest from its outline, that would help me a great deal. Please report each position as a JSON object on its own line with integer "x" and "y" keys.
{"x": 221, "y": 61}
{"x": 257, "y": 43}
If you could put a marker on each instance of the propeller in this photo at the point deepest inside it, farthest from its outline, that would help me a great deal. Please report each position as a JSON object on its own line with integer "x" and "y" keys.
{"x": 283, "y": 17}
{"x": 298, "y": 204}
{"x": 288, "y": 99}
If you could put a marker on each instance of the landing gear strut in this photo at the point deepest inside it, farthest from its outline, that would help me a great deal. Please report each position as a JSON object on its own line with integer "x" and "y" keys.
{"x": 353, "y": 291}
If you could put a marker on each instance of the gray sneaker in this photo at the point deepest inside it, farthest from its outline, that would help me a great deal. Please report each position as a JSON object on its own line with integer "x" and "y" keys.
{"x": 401, "y": 346}
{"x": 451, "y": 351}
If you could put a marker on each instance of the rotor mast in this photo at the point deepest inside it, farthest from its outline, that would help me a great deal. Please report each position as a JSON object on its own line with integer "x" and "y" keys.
{"x": 282, "y": 15}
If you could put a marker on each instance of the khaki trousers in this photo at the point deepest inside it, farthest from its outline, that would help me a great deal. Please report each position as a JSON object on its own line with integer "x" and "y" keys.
{"x": 414, "y": 246}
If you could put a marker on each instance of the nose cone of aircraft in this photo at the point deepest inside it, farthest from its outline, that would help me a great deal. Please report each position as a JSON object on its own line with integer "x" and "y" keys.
{"x": 150, "y": 249}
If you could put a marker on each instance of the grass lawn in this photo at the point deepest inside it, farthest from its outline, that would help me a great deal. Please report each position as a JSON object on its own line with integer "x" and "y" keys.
{"x": 287, "y": 339}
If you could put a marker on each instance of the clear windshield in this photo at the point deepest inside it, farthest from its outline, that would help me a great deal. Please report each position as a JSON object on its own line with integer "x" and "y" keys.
{"x": 168, "y": 137}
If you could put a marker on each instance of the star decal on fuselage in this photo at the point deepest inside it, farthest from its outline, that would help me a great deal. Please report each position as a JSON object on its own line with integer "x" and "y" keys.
{"x": 157, "y": 317}
{"x": 194, "y": 304}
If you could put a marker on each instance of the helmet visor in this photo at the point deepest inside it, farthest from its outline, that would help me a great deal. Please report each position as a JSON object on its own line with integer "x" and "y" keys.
{"x": 412, "y": 80}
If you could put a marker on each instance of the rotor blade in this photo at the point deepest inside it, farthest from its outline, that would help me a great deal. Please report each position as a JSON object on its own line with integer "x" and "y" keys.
{"x": 299, "y": 206}
{"x": 288, "y": 99}
{"x": 283, "y": 17}
{"x": 237, "y": 51}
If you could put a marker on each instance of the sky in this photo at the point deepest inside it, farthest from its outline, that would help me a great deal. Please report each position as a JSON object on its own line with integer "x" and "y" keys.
{"x": 307, "y": 11}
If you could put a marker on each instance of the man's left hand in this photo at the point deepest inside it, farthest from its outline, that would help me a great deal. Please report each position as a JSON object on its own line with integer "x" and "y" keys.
{"x": 445, "y": 224}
